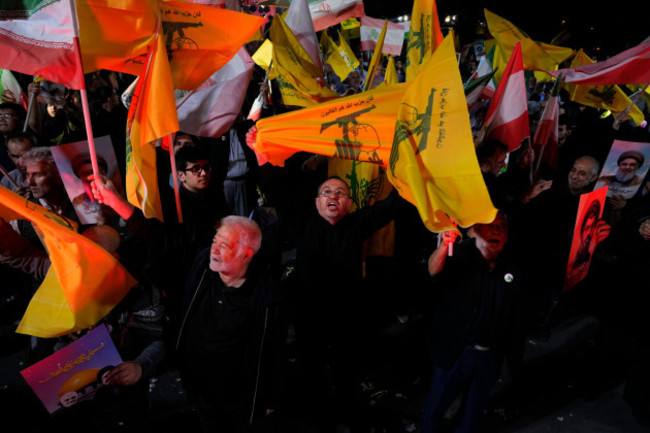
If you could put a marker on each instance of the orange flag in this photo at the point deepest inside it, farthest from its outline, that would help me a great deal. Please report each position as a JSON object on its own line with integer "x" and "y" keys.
{"x": 87, "y": 280}
{"x": 152, "y": 115}
{"x": 199, "y": 39}
{"x": 358, "y": 127}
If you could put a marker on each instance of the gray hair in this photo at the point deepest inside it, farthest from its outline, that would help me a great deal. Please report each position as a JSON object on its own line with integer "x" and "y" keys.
{"x": 38, "y": 155}
{"x": 249, "y": 231}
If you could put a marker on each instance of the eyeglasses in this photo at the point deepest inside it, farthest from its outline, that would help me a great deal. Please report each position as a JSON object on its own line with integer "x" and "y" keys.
{"x": 7, "y": 116}
{"x": 329, "y": 193}
{"x": 196, "y": 169}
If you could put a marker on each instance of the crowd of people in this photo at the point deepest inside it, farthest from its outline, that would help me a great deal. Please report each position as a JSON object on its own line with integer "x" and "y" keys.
{"x": 266, "y": 265}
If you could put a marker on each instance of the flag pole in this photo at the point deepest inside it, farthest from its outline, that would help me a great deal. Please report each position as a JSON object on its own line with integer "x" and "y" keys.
{"x": 177, "y": 195}
{"x": 4, "y": 171}
{"x": 83, "y": 93}
{"x": 30, "y": 107}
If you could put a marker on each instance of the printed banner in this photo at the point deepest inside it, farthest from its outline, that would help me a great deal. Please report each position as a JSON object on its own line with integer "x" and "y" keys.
{"x": 625, "y": 168}
{"x": 74, "y": 373}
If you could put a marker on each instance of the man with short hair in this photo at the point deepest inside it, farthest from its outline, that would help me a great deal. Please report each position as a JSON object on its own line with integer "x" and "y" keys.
{"x": 475, "y": 322}
{"x": 230, "y": 331}
{"x": 45, "y": 188}
{"x": 330, "y": 298}
{"x": 18, "y": 143}
{"x": 506, "y": 189}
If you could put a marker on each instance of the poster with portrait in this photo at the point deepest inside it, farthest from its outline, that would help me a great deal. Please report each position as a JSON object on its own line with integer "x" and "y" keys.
{"x": 625, "y": 168}
{"x": 584, "y": 242}
{"x": 73, "y": 162}
{"x": 73, "y": 374}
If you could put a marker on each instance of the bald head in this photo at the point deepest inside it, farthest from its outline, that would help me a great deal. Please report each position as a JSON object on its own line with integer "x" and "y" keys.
{"x": 584, "y": 171}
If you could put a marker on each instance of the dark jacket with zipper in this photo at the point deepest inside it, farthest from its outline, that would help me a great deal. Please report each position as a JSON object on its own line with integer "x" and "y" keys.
{"x": 231, "y": 351}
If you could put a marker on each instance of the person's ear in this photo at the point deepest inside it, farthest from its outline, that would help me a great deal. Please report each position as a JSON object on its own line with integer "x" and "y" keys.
{"x": 248, "y": 254}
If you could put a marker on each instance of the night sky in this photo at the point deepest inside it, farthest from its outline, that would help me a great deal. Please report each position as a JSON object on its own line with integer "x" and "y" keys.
{"x": 598, "y": 25}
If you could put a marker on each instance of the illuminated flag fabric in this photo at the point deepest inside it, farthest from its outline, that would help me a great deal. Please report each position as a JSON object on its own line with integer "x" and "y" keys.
{"x": 84, "y": 281}
{"x": 292, "y": 68}
{"x": 199, "y": 39}
{"x": 371, "y": 29}
{"x": 211, "y": 109}
{"x": 264, "y": 54}
{"x": 116, "y": 36}
{"x": 376, "y": 59}
{"x": 10, "y": 90}
{"x": 545, "y": 140}
{"x": 359, "y": 127}
{"x": 152, "y": 115}
{"x": 326, "y": 13}
{"x": 40, "y": 38}
{"x": 629, "y": 67}
{"x": 534, "y": 55}
{"x": 606, "y": 97}
{"x": 299, "y": 21}
{"x": 507, "y": 117}
{"x": 391, "y": 73}
{"x": 424, "y": 36}
{"x": 433, "y": 162}
{"x": 340, "y": 57}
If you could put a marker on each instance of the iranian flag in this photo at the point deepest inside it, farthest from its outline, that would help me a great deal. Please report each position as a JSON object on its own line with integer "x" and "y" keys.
{"x": 507, "y": 116}
{"x": 39, "y": 37}
{"x": 10, "y": 90}
{"x": 370, "y": 31}
{"x": 629, "y": 67}
{"x": 326, "y": 13}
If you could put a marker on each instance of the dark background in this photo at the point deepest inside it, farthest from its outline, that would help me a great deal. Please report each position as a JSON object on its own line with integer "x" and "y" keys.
{"x": 600, "y": 28}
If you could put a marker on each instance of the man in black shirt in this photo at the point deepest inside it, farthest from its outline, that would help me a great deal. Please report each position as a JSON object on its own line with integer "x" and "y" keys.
{"x": 231, "y": 333}
{"x": 474, "y": 323}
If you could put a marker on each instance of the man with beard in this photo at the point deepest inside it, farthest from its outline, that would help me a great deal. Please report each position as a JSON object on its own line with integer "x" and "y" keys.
{"x": 626, "y": 180}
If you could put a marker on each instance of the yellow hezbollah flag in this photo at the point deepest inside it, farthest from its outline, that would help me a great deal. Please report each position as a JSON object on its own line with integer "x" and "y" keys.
{"x": 264, "y": 54}
{"x": 391, "y": 73}
{"x": 340, "y": 57}
{"x": 433, "y": 162}
{"x": 535, "y": 56}
{"x": 376, "y": 58}
{"x": 152, "y": 115}
{"x": 604, "y": 97}
{"x": 84, "y": 281}
{"x": 296, "y": 74}
{"x": 358, "y": 127}
{"x": 424, "y": 36}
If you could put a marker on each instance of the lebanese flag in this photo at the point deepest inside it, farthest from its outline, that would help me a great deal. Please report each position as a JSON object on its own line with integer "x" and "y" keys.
{"x": 507, "y": 116}
{"x": 211, "y": 109}
{"x": 299, "y": 21}
{"x": 545, "y": 141}
{"x": 326, "y": 13}
{"x": 629, "y": 67}
{"x": 41, "y": 38}
{"x": 370, "y": 31}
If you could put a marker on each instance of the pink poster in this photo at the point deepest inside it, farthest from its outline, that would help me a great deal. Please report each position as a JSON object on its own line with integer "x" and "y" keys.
{"x": 74, "y": 373}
